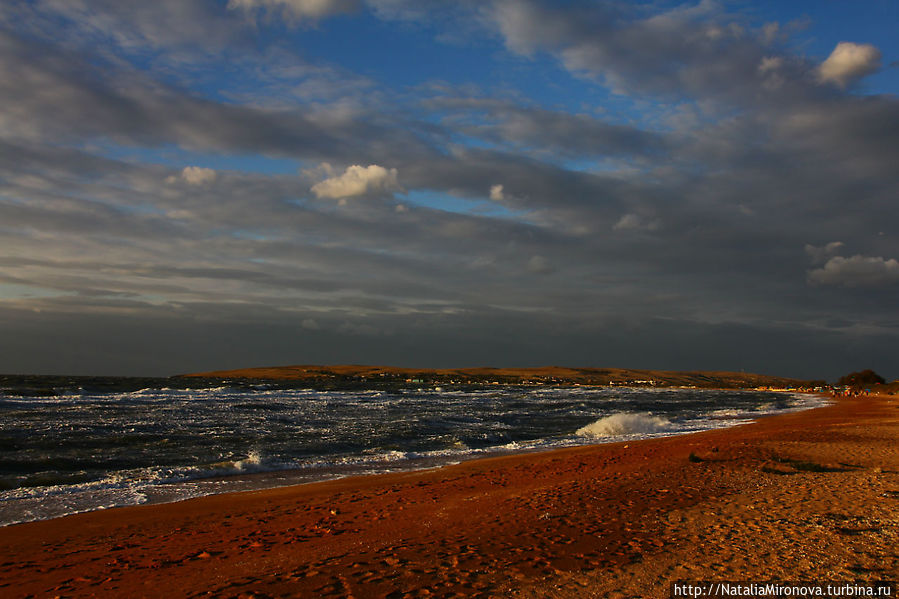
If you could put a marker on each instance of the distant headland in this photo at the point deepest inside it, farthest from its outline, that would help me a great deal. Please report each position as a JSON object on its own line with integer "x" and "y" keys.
{"x": 353, "y": 375}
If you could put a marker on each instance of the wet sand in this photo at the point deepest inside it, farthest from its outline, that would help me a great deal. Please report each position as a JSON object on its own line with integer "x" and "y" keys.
{"x": 810, "y": 496}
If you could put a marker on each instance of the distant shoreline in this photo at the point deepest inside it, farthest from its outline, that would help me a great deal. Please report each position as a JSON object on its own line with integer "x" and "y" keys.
{"x": 546, "y": 375}
{"x": 386, "y": 378}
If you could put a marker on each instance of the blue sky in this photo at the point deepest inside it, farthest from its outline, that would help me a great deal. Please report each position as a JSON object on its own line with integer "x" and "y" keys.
{"x": 197, "y": 184}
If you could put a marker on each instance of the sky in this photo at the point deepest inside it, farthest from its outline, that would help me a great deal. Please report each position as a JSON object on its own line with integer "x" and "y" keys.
{"x": 189, "y": 185}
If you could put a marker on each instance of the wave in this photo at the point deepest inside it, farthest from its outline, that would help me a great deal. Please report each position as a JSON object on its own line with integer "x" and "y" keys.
{"x": 625, "y": 423}
{"x": 172, "y": 444}
{"x": 252, "y": 462}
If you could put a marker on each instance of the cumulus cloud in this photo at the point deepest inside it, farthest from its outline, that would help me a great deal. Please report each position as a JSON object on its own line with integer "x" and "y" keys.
{"x": 297, "y": 9}
{"x": 635, "y": 222}
{"x": 496, "y": 193}
{"x": 195, "y": 175}
{"x": 857, "y": 271}
{"x": 820, "y": 254}
{"x": 849, "y": 62}
{"x": 358, "y": 180}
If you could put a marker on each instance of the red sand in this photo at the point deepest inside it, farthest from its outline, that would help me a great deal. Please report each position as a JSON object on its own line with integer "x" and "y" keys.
{"x": 804, "y": 496}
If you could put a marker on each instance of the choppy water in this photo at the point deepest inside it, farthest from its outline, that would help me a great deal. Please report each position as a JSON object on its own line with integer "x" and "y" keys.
{"x": 84, "y": 450}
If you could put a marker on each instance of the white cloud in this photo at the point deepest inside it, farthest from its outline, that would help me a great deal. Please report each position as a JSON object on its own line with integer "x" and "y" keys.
{"x": 634, "y": 222}
{"x": 520, "y": 25}
{"x": 357, "y": 180}
{"x": 297, "y": 9}
{"x": 849, "y": 62}
{"x": 194, "y": 175}
{"x": 322, "y": 171}
{"x": 857, "y": 271}
{"x": 820, "y": 254}
{"x": 496, "y": 193}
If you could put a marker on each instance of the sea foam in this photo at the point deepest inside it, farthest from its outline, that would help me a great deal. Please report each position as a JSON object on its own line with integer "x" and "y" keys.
{"x": 625, "y": 423}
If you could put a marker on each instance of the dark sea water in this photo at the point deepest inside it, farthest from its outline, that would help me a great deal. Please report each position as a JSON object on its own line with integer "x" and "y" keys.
{"x": 88, "y": 449}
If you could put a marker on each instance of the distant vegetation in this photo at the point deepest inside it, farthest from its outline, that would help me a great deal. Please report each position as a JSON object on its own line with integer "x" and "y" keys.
{"x": 863, "y": 378}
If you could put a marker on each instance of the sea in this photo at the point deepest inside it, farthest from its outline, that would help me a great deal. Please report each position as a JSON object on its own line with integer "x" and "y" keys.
{"x": 74, "y": 448}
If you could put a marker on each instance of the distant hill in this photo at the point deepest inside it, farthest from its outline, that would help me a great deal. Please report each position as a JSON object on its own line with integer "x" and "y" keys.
{"x": 548, "y": 375}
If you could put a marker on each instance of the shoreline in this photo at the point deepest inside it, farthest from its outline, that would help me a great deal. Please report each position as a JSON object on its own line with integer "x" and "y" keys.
{"x": 565, "y": 522}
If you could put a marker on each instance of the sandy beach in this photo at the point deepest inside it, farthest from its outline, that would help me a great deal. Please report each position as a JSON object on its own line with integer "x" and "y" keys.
{"x": 807, "y": 496}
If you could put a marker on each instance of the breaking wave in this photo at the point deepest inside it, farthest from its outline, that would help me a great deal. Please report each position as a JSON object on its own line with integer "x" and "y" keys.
{"x": 625, "y": 423}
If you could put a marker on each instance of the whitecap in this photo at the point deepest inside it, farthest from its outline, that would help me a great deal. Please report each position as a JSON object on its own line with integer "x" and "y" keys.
{"x": 625, "y": 423}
